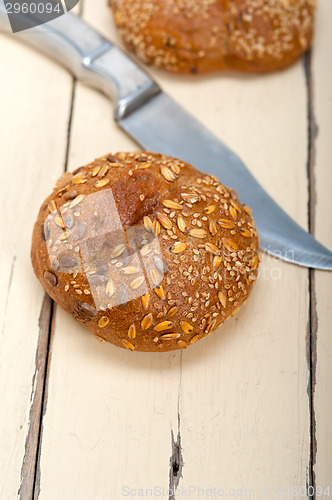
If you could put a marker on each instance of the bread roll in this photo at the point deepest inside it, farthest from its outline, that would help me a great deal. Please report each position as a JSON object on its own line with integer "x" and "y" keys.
{"x": 145, "y": 251}
{"x": 201, "y": 36}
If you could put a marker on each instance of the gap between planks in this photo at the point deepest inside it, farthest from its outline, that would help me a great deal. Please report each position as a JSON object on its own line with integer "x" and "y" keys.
{"x": 176, "y": 461}
{"x": 313, "y": 319}
{"x": 32, "y": 443}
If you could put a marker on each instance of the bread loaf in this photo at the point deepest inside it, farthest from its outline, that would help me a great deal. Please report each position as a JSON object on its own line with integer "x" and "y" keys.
{"x": 145, "y": 251}
{"x": 200, "y": 36}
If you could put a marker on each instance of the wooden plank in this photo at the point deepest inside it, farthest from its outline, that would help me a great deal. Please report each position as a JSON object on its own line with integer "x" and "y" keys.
{"x": 321, "y": 71}
{"x": 33, "y": 143}
{"x": 244, "y": 405}
{"x": 110, "y": 413}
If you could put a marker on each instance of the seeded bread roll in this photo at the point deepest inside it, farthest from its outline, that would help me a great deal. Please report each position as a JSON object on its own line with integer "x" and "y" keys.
{"x": 145, "y": 251}
{"x": 211, "y": 35}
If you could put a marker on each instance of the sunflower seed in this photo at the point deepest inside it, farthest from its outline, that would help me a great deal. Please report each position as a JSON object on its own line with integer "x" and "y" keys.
{"x": 181, "y": 223}
{"x": 146, "y": 250}
{"x": 164, "y": 325}
{"x": 101, "y": 266}
{"x": 245, "y": 232}
{"x": 254, "y": 262}
{"x": 154, "y": 276}
{"x": 62, "y": 190}
{"x": 79, "y": 179}
{"x": 132, "y": 332}
{"x": 222, "y": 299}
{"x": 146, "y": 321}
{"x": 100, "y": 339}
{"x": 170, "y": 336}
{"x": 160, "y": 264}
{"x": 129, "y": 270}
{"x": 102, "y": 183}
{"x": 198, "y": 233}
{"x": 212, "y": 228}
{"x": 50, "y": 278}
{"x": 112, "y": 159}
{"x": 110, "y": 288}
{"x": 69, "y": 221}
{"x": 64, "y": 236}
{"x": 59, "y": 222}
{"x": 225, "y": 223}
{"x": 95, "y": 171}
{"x": 67, "y": 261}
{"x": 172, "y": 311}
{"x": 233, "y": 212}
{"x": 146, "y": 301}
{"x": 144, "y": 165}
{"x": 103, "y": 321}
{"x": 186, "y": 327}
{"x": 209, "y": 210}
{"x": 176, "y": 169}
{"x": 182, "y": 344}
{"x": 211, "y": 248}
{"x": 137, "y": 282}
{"x": 87, "y": 310}
{"x": 171, "y": 204}
{"x": 210, "y": 327}
{"x": 147, "y": 223}
{"x": 194, "y": 339}
{"x": 70, "y": 195}
{"x": 122, "y": 296}
{"x": 118, "y": 250}
{"x": 103, "y": 171}
{"x": 164, "y": 220}
{"x": 230, "y": 245}
{"x": 178, "y": 247}
{"x": 167, "y": 174}
{"x": 97, "y": 280}
{"x": 77, "y": 200}
{"x": 159, "y": 290}
{"x": 235, "y": 205}
{"x": 216, "y": 261}
{"x": 52, "y": 206}
{"x": 156, "y": 228}
{"x": 190, "y": 197}
{"x": 128, "y": 345}
{"x": 79, "y": 230}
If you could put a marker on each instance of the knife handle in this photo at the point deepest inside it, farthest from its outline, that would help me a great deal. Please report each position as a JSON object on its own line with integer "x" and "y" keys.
{"x": 89, "y": 56}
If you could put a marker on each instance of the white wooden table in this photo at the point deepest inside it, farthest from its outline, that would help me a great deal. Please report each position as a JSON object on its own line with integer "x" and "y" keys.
{"x": 246, "y": 412}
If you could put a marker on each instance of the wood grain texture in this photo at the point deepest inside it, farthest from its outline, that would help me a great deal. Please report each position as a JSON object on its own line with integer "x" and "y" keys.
{"x": 321, "y": 70}
{"x": 251, "y": 404}
{"x": 32, "y": 142}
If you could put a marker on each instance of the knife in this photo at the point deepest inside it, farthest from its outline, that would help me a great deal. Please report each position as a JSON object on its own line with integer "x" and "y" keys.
{"x": 139, "y": 100}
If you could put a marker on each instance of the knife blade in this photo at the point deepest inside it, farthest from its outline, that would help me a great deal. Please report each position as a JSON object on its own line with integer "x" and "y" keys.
{"x": 95, "y": 60}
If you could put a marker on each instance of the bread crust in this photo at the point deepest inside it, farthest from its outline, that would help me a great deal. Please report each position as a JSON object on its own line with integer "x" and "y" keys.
{"x": 201, "y": 36}
{"x": 145, "y": 251}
